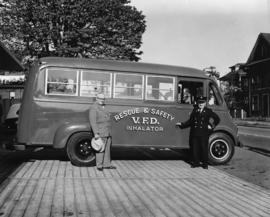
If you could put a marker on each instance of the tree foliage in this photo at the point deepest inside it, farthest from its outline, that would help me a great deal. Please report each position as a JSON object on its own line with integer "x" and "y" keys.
{"x": 212, "y": 72}
{"x": 110, "y": 29}
{"x": 234, "y": 96}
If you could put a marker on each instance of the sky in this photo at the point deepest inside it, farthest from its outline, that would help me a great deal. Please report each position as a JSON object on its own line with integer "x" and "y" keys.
{"x": 202, "y": 33}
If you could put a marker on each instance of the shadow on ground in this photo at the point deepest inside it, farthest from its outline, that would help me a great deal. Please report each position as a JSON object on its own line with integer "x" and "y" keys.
{"x": 11, "y": 160}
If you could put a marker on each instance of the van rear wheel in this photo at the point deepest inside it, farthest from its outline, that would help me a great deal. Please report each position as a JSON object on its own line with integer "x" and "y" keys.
{"x": 79, "y": 149}
{"x": 221, "y": 149}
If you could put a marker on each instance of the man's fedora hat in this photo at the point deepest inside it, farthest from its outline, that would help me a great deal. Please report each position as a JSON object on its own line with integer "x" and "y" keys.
{"x": 98, "y": 144}
{"x": 201, "y": 99}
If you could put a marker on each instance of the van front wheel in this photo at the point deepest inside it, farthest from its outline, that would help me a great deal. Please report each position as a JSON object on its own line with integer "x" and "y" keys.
{"x": 221, "y": 149}
{"x": 79, "y": 149}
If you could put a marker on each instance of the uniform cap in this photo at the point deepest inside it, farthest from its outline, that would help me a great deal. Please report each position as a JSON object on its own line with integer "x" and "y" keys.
{"x": 201, "y": 99}
{"x": 100, "y": 96}
{"x": 98, "y": 144}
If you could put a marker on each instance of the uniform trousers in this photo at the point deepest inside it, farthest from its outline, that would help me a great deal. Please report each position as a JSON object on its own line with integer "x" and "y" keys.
{"x": 199, "y": 149}
{"x": 103, "y": 159}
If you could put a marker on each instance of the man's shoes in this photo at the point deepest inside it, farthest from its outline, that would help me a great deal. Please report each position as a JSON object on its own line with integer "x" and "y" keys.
{"x": 194, "y": 165}
{"x": 110, "y": 167}
{"x": 99, "y": 168}
{"x": 205, "y": 167}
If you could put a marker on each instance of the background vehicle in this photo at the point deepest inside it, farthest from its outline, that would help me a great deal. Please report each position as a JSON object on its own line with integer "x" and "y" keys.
{"x": 145, "y": 100}
{"x": 12, "y": 116}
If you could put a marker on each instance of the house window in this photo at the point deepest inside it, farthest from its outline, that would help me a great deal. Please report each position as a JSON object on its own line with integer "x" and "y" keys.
{"x": 255, "y": 103}
{"x": 262, "y": 49}
{"x": 245, "y": 83}
{"x": 256, "y": 81}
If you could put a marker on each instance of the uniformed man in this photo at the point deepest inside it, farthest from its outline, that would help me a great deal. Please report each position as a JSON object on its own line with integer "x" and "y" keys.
{"x": 201, "y": 128}
{"x": 100, "y": 123}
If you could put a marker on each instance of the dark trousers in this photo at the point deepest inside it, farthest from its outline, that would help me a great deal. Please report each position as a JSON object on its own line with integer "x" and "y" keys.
{"x": 199, "y": 148}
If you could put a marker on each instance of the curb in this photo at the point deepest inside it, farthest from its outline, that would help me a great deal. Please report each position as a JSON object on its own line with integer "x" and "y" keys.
{"x": 253, "y": 124}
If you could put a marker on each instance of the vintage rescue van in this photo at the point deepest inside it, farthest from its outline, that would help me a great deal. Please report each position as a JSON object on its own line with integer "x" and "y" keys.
{"x": 145, "y": 101}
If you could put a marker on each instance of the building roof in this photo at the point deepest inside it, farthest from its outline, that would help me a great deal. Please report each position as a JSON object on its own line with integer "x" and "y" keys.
{"x": 229, "y": 76}
{"x": 11, "y": 86}
{"x": 8, "y": 61}
{"x": 237, "y": 65}
{"x": 234, "y": 73}
{"x": 124, "y": 66}
{"x": 262, "y": 40}
{"x": 267, "y": 37}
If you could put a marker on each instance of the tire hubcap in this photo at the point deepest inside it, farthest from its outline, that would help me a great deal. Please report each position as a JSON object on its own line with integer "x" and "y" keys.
{"x": 84, "y": 149}
{"x": 219, "y": 149}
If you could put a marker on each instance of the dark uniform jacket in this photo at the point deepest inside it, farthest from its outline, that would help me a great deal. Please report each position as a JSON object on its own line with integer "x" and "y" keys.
{"x": 199, "y": 122}
{"x": 100, "y": 121}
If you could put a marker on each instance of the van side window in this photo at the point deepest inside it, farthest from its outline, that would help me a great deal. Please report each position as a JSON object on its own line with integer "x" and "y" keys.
{"x": 61, "y": 81}
{"x": 188, "y": 91}
{"x": 160, "y": 88}
{"x": 93, "y": 82}
{"x": 128, "y": 86}
{"x": 214, "y": 97}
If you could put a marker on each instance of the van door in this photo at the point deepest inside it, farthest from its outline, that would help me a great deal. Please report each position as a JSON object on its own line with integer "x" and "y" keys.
{"x": 188, "y": 89}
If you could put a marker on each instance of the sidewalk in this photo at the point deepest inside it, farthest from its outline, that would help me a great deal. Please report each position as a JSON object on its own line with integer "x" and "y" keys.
{"x": 252, "y": 123}
{"x": 44, "y": 187}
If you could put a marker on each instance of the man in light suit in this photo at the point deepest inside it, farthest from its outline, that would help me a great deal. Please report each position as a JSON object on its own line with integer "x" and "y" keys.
{"x": 100, "y": 123}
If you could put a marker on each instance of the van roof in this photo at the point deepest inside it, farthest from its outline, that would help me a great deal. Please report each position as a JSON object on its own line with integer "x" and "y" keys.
{"x": 124, "y": 66}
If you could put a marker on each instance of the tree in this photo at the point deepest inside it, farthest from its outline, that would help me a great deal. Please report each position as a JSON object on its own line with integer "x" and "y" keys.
{"x": 110, "y": 29}
{"x": 212, "y": 72}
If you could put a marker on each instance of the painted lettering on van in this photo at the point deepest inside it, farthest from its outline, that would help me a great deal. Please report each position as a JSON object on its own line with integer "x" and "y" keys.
{"x": 145, "y": 120}
{"x": 149, "y": 124}
{"x": 161, "y": 113}
{"x": 145, "y": 128}
{"x": 146, "y": 110}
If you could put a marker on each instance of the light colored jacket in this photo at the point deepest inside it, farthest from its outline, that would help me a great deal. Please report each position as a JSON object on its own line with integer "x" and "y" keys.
{"x": 100, "y": 120}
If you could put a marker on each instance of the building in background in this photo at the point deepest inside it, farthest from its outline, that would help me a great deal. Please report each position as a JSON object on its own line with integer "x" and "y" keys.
{"x": 248, "y": 84}
{"x": 258, "y": 70}
{"x": 235, "y": 88}
{"x": 11, "y": 88}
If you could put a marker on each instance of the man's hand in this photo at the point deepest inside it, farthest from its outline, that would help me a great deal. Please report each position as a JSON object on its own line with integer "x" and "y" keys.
{"x": 178, "y": 124}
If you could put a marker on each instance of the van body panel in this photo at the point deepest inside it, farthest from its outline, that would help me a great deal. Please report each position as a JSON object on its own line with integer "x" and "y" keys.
{"x": 66, "y": 130}
{"x": 26, "y": 109}
{"x": 49, "y": 116}
{"x": 149, "y": 125}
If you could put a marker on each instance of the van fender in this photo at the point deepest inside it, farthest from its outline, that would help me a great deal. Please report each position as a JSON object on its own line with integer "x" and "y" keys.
{"x": 227, "y": 130}
{"x": 66, "y": 130}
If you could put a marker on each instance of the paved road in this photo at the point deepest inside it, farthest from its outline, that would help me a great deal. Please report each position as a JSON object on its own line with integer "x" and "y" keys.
{"x": 258, "y": 138}
{"x": 251, "y": 165}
